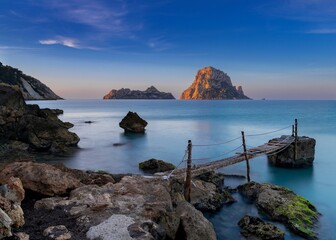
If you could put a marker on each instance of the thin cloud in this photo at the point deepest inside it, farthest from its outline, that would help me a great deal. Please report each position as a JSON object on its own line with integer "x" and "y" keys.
{"x": 322, "y": 31}
{"x": 159, "y": 44}
{"x": 111, "y": 16}
{"x": 68, "y": 42}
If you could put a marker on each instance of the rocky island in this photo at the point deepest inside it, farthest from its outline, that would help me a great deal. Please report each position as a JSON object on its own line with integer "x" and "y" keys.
{"x": 31, "y": 88}
{"x": 149, "y": 93}
{"x": 212, "y": 84}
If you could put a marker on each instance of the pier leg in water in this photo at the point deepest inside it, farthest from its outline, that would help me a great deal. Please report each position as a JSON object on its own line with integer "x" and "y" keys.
{"x": 246, "y": 158}
{"x": 187, "y": 186}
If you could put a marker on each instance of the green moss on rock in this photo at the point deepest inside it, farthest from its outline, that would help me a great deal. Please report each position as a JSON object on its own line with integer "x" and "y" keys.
{"x": 283, "y": 205}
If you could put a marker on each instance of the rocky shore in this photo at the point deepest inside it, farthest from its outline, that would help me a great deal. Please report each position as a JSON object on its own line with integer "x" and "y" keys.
{"x": 42, "y": 200}
{"x": 26, "y": 129}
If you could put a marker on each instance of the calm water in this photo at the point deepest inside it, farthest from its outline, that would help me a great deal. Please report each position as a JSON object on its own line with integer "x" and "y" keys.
{"x": 172, "y": 123}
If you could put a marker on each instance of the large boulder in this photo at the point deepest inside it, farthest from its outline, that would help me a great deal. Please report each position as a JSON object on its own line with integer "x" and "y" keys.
{"x": 9, "y": 97}
{"x": 193, "y": 225}
{"x": 11, "y": 213}
{"x": 28, "y": 128}
{"x": 40, "y": 177}
{"x": 305, "y": 154}
{"x": 133, "y": 123}
{"x": 255, "y": 228}
{"x": 283, "y": 205}
{"x": 154, "y": 166}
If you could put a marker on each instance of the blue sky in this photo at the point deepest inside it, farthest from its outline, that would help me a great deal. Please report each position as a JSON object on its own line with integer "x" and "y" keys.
{"x": 82, "y": 48}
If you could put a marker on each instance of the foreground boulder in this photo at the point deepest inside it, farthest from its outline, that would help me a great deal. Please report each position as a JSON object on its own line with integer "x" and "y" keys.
{"x": 40, "y": 177}
{"x": 11, "y": 213}
{"x": 305, "y": 154}
{"x": 154, "y": 166}
{"x": 283, "y": 205}
{"x": 255, "y": 228}
{"x": 133, "y": 123}
{"x": 28, "y": 128}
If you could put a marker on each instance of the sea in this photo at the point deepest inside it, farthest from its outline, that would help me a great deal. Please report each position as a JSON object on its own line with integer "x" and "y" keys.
{"x": 210, "y": 125}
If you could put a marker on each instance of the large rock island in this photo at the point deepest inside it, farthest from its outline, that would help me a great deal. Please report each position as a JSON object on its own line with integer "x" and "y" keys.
{"x": 212, "y": 84}
{"x": 31, "y": 88}
{"x": 149, "y": 93}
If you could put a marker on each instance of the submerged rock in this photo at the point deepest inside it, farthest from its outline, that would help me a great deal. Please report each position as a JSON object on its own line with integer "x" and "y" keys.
{"x": 305, "y": 154}
{"x": 255, "y": 228}
{"x": 133, "y": 123}
{"x": 154, "y": 166}
{"x": 27, "y": 127}
{"x": 283, "y": 205}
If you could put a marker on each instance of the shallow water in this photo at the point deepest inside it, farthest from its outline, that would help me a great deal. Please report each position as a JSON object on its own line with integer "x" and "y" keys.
{"x": 172, "y": 123}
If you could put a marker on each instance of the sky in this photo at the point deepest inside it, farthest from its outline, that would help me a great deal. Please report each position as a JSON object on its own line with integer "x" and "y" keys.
{"x": 280, "y": 49}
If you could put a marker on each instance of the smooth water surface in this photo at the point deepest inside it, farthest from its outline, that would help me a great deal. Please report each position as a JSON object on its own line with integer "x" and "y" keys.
{"x": 172, "y": 123}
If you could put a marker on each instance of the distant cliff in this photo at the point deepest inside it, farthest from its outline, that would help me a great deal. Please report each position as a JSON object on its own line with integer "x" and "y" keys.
{"x": 149, "y": 93}
{"x": 213, "y": 84}
{"x": 31, "y": 88}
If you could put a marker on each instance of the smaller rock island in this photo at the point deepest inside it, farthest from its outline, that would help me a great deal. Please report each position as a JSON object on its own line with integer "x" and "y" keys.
{"x": 149, "y": 93}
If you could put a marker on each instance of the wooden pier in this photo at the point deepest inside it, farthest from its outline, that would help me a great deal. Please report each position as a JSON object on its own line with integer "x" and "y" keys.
{"x": 268, "y": 148}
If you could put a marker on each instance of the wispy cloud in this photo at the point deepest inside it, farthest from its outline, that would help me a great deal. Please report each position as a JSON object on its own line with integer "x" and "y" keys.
{"x": 159, "y": 44}
{"x": 322, "y": 31}
{"x": 109, "y": 16}
{"x": 68, "y": 42}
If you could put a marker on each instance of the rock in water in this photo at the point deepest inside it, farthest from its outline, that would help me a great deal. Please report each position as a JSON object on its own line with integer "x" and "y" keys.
{"x": 154, "y": 166}
{"x": 212, "y": 84}
{"x": 283, "y": 205}
{"x": 27, "y": 127}
{"x": 255, "y": 228}
{"x": 149, "y": 93}
{"x": 133, "y": 123}
{"x": 305, "y": 154}
{"x": 31, "y": 88}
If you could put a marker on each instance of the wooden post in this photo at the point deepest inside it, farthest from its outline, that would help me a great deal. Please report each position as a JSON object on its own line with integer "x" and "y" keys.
{"x": 296, "y": 138}
{"x": 187, "y": 186}
{"x": 246, "y": 158}
{"x": 293, "y": 131}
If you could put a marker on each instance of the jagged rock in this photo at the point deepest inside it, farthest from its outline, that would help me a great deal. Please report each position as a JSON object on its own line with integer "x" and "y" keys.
{"x": 305, "y": 154}
{"x": 5, "y": 225}
{"x": 193, "y": 225}
{"x": 30, "y": 87}
{"x": 11, "y": 213}
{"x": 154, "y": 166}
{"x": 59, "y": 232}
{"x": 149, "y": 93}
{"x": 133, "y": 123}
{"x": 283, "y": 205}
{"x": 22, "y": 236}
{"x": 40, "y": 177}
{"x": 257, "y": 229}
{"x": 211, "y": 84}
{"x": 27, "y": 127}
{"x": 10, "y": 98}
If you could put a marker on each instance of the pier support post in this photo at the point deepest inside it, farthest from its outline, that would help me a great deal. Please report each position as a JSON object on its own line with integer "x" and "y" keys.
{"x": 296, "y": 138}
{"x": 246, "y": 158}
{"x": 187, "y": 186}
